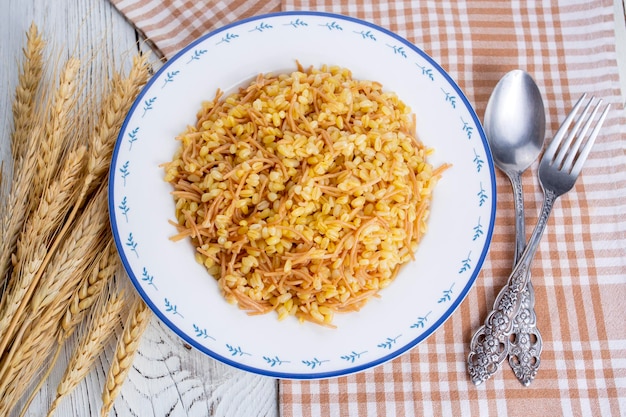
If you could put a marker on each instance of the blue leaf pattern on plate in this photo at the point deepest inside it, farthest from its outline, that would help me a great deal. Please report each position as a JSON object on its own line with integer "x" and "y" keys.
{"x": 236, "y": 351}
{"x": 466, "y": 263}
{"x": 297, "y": 23}
{"x": 261, "y": 27}
{"x": 130, "y": 242}
{"x": 172, "y": 308}
{"x": 398, "y": 50}
{"x": 125, "y": 171}
{"x": 313, "y": 363}
{"x": 132, "y": 137}
{"x": 147, "y": 105}
{"x": 421, "y": 321}
{"x": 353, "y": 356}
{"x": 450, "y": 98}
{"x": 467, "y": 128}
{"x": 229, "y": 37}
{"x": 124, "y": 209}
{"x": 428, "y": 72}
{"x": 202, "y": 332}
{"x": 169, "y": 77}
{"x": 447, "y": 295}
{"x": 147, "y": 278}
{"x": 197, "y": 54}
{"x": 275, "y": 361}
{"x": 332, "y": 26}
{"x": 478, "y": 161}
{"x": 482, "y": 195}
{"x": 366, "y": 34}
{"x": 478, "y": 230}
{"x": 389, "y": 342}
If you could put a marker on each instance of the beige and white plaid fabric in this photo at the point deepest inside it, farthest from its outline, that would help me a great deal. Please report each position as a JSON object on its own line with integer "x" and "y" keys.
{"x": 580, "y": 269}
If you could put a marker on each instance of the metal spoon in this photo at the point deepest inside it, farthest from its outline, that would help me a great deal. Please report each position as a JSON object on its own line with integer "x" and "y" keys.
{"x": 515, "y": 128}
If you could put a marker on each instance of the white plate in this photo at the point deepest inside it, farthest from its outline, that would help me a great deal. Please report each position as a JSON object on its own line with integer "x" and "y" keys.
{"x": 186, "y": 298}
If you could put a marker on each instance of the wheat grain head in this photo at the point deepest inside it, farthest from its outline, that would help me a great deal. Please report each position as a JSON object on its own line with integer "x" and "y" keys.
{"x": 127, "y": 345}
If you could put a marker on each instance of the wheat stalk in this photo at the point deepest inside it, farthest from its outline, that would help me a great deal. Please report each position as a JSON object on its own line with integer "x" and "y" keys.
{"x": 114, "y": 109}
{"x": 127, "y": 345}
{"x": 88, "y": 291}
{"x": 32, "y": 246}
{"x": 90, "y": 288}
{"x": 16, "y": 207}
{"x": 28, "y": 178}
{"x": 56, "y": 127}
{"x": 28, "y": 356}
{"x": 51, "y": 297}
{"x": 105, "y": 319}
{"x": 25, "y": 120}
{"x": 86, "y": 240}
{"x": 29, "y": 80}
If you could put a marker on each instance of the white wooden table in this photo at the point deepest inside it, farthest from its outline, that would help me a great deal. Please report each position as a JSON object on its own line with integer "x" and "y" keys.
{"x": 167, "y": 379}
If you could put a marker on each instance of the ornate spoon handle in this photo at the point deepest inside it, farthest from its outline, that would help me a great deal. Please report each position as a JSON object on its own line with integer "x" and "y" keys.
{"x": 525, "y": 342}
{"x": 490, "y": 344}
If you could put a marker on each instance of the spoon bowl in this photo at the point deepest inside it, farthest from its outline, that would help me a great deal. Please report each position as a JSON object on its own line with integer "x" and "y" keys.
{"x": 515, "y": 122}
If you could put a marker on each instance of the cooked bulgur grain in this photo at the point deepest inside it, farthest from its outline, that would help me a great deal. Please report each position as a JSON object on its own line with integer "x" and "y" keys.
{"x": 303, "y": 193}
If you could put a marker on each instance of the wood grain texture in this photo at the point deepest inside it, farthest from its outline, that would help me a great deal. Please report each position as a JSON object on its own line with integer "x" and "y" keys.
{"x": 167, "y": 378}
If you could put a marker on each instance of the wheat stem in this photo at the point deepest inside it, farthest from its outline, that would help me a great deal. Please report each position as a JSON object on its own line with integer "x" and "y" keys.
{"x": 56, "y": 127}
{"x": 113, "y": 111}
{"x": 90, "y": 288}
{"x": 36, "y": 343}
{"x": 32, "y": 246}
{"x": 124, "y": 353}
{"x": 29, "y": 80}
{"x": 105, "y": 319}
{"x": 51, "y": 297}
{"x": 38, "y": 164}
{"x": 17, "y": 204}
{"x": 87, "y": 239}
{"x": 42, "y": 380}
{"x": 26, "y": 128}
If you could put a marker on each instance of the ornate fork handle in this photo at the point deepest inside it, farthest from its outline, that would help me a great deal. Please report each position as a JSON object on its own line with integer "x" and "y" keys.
{"x": 525, "y": 341}
{"x": 490, "y": 344}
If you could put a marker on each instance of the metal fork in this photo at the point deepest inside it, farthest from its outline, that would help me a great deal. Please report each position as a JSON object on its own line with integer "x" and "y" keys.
{"x": 559, "y": 168}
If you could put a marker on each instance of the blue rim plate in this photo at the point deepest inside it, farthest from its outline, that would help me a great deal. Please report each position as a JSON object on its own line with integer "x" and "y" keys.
{"x": 182, "y": 294}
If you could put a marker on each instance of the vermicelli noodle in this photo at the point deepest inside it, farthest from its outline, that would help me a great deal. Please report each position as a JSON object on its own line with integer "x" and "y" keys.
{"x": 303, "y": 193}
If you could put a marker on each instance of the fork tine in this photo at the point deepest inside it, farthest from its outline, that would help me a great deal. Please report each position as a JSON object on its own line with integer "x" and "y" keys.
{"x": 578, "y": 166}
{"x": 564, "y": 148}
{"x": 560, "y": 134}
{"x": 573, "y": 150}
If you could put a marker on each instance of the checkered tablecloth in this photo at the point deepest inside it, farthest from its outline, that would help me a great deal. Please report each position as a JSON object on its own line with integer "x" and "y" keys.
{"x": 579, "y": 271}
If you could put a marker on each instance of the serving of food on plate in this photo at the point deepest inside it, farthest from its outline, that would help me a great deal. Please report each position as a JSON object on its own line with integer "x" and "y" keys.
{"x": 303, "y": 193}
{"x": 311, "y": 165}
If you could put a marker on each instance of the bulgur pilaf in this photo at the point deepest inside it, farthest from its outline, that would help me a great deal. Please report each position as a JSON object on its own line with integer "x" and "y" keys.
{"x": 303, "y": 193}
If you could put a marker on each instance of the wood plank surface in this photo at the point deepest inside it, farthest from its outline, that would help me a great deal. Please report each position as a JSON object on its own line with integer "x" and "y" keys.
{"x": 167, "y": 378}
